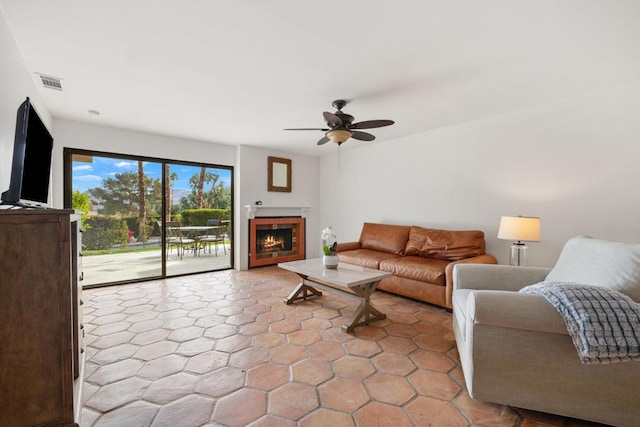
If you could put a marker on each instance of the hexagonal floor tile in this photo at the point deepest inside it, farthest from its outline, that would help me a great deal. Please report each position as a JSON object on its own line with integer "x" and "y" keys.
{"x": 156, "y": 350}
{"x": 394, "y": 363}
{"x": 434, "y": 384}
{"x": 427, "y": 411}
{"x": 311, "y": 371}
{"x": 189, "y": 411}
{"x": 115, "y": 371}
{"x": 207, "y": 362}
{"x": 269, "y": 340}
{"x": 432, "y": 360}
{"x": 221, "y": 382}
{"x": 253, "y": 403}
{"x": 289, "y": 354}
{"x": 343, "y": 395}
{"x": 171, "y": 388}
{"x": 249, "y": 357}
{"x": 397, "y": 345}
{"x": 382, "y": 414}
{"x": 387, "y": 388}
{"x": 186, "y": 333}
{"x": 195, "y": 346}
{"x": 353, "y": 367}
{"x": 360, "y": 347}
{"x": 293, "y": 400}
{"x": 325, "y": 417}
{"x": 138, "y": 413}
{"x": 294, "y": 365}
{"x": 162, "y": 367}
{"x": 118, "y": 394}
{"x": 268, "y": 376}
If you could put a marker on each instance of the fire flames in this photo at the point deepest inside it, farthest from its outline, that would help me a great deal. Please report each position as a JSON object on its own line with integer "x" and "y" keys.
{"x": 270, "y": 243}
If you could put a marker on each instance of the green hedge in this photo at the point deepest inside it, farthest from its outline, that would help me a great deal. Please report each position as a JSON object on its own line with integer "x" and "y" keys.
{"x": 200, "y": 216}
{"x": 104, "y": 233}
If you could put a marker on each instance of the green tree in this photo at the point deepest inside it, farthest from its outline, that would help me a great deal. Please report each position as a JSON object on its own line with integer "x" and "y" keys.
{"x": 121, "y": 194}
{"x": 173, "y": 177}
{"x": 200, "y": 187}
{"x": 197, "y": 182}
{"x": 142, "y": 203}
{"x": 217, "y": 197}
{"x": 81, "y": 202}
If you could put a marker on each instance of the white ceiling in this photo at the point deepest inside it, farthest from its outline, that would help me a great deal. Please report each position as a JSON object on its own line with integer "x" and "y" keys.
{"x": 239, "y": 72}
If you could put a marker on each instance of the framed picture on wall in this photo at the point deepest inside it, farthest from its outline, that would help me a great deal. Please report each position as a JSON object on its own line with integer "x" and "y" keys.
{"x": 279, "y": 174}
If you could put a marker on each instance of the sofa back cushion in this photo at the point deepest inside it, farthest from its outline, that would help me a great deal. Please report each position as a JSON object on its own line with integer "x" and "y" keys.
{"x": 589, "y": 261}
{"x": 384, "y": 237}
{"x": 445, "y": 244}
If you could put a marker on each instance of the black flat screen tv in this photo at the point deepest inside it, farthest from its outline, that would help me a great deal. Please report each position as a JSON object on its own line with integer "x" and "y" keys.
{"x": 31, "y": 167}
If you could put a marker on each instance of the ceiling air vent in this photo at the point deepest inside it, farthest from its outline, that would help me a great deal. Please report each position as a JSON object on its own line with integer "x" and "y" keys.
{"x": 51, "y": 82}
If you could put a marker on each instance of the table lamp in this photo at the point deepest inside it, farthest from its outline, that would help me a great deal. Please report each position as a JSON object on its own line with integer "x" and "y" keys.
{"x": 519, "y": 228}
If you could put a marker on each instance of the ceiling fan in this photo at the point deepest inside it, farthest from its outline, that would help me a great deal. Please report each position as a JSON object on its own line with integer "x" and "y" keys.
{"x": 341, "y": 126}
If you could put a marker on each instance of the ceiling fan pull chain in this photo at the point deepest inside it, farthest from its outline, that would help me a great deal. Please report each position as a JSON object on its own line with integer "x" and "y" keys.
{"x": 339, "y": 158}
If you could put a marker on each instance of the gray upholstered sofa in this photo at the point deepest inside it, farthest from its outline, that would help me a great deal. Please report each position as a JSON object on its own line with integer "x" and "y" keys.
{"x": 515, "y": 348}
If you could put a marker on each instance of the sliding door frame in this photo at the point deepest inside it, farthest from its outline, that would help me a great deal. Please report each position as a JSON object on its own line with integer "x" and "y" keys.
{"x": 68, "y": 154}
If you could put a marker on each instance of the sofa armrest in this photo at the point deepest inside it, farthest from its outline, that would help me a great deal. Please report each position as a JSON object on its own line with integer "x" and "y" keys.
{"x": 448, "y": 272}
{"x": 514, "y": 310}
{"x": 348, "y": 246}
{"x": 496, "y": 277}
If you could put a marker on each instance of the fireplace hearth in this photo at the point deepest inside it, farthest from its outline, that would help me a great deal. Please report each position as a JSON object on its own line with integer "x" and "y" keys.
{"x": 274, "y": 240}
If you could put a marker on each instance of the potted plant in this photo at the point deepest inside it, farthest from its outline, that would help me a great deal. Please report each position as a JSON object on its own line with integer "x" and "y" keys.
{"x": 329, "y": 248}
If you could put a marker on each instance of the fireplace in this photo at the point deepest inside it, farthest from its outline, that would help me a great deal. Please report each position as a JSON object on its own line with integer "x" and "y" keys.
{"x": 274, "y": 240}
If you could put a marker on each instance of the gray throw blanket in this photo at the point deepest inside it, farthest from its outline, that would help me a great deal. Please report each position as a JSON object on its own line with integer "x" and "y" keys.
{"x": 604, "y": 324}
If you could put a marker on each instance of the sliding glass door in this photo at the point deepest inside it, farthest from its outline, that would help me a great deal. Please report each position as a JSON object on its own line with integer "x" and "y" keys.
{"x": 148, "y": 218}
{"x": 198, "y": 223}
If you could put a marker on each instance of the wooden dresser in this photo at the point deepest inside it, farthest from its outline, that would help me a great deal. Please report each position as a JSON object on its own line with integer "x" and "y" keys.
{"x": 41, "y": 350}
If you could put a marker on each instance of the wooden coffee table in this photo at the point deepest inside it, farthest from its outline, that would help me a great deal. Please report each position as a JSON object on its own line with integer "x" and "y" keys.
{"x": 348, "y": 280}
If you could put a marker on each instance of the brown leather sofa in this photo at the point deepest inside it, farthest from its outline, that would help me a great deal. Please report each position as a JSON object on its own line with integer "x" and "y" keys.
{"x": 420, "y": 259}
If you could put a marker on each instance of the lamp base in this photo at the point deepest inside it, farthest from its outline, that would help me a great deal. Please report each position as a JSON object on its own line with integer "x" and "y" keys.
{"x": 518, "y": 255}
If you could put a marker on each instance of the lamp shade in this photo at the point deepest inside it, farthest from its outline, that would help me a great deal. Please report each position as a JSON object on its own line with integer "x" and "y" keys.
{"x": 521, "y": 228}
{"x": 339, "y": 135}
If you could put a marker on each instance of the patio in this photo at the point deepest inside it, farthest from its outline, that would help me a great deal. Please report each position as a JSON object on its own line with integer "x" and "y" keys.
{"x": 118, "y": 267}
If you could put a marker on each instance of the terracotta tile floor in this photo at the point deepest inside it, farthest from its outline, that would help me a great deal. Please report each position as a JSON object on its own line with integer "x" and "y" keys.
{"x": 222, "y": 349}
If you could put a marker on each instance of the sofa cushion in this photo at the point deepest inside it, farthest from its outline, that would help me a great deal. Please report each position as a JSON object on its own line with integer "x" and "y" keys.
{"x": 385, "y": 237}
{"x": 588, "y": 261}
{"x": 445, "y": 244}
{"x": 364, "y": 257}
{"x": 428, "y": 270}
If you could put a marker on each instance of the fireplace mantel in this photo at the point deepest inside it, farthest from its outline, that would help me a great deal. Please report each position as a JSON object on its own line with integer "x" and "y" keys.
{"x": 253, "y": 210}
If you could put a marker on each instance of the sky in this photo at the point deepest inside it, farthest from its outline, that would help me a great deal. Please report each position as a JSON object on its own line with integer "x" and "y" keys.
{"x": 90, "y": 174}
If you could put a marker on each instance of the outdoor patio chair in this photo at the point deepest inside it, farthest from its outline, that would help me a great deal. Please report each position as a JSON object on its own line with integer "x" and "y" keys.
{"x": 215, "y": 237}
{"x": 175, "y": 237}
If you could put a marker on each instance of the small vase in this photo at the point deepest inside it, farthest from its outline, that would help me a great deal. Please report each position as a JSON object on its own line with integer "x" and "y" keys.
{"x": 330, "y": 261}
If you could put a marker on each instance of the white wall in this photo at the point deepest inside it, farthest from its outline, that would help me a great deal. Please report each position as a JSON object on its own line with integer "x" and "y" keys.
{"x": 72, "y": 134}
{"x": 252, "y": 179}
{"x": 15, "y": 85}
{"x": 573, "y": 163}
{"x": 250, "y": 171}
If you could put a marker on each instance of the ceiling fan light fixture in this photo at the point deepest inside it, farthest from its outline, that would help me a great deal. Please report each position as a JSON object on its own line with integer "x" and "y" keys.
{"x": 339, "y": 135}
{"x": 340, "y": 126}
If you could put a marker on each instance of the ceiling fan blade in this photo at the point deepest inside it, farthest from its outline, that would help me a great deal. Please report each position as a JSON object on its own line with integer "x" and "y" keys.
{"x": 323, "y": 140}
{"x": 370, "y": 124}
{"x": 362, "y": 136}
{"x": 331, "y": 119}
{"x": 322, "y": 129}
